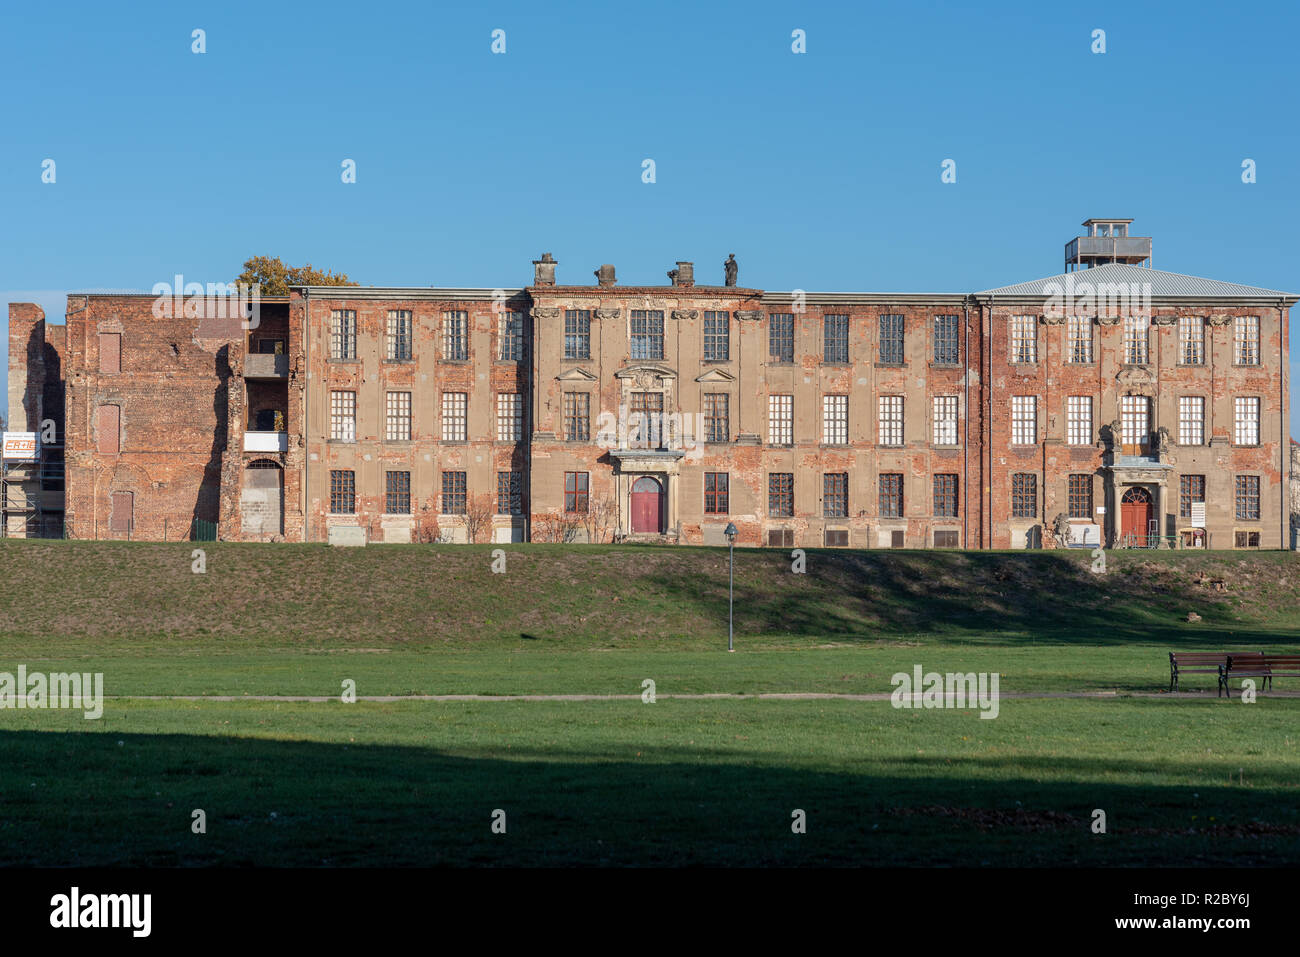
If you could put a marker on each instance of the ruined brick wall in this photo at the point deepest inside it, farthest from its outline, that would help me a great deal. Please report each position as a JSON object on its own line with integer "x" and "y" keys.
{"x": 171, "y": 396}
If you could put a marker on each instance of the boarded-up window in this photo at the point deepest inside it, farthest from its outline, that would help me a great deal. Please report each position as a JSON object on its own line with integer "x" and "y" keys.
{"x": 121, "y": 518}
{"x": 110, "y": 352}
{"x": 108, "y": 430}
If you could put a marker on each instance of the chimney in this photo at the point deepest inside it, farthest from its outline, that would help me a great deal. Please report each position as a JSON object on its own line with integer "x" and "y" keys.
{"x": 605, "y": 275}
{"x": 683, "y": 275}
{"x": 544, "y": 270}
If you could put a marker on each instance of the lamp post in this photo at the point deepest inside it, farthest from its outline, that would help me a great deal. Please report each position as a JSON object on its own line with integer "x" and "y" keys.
{"x": 730, "y": 532}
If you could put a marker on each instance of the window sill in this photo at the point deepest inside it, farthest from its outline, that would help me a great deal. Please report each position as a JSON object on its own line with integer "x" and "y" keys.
{"x": 945, "y": 365}
{"x": 340, "y": 441}
{"x": 838, "y": 365}
{"x": 576, "y": 359}
{"x": 455, "y": 362}
{"x": 715, "y": 362}
{"x": 340, "y": 361}
{"x": 891, "y": 365}
{"x": 404, "y": 361}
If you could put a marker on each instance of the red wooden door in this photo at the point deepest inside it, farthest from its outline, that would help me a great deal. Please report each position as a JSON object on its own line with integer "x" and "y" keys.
{"x": 1135, "y": 514}
{"x": 646, "y": 498}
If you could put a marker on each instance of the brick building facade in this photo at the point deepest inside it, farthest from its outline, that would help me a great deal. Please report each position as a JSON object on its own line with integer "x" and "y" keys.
{"x": 1107, "y": 405}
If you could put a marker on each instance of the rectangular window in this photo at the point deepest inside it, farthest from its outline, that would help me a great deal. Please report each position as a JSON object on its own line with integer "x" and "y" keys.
{"x": 891, "y": 340}
{"x": 780, "y": 537}
{"x": 717, "y": 427}
{"x": 716, "y": 493}
{"x": 455, "y": 336}
{"x": 577, "y": 417}
{"x": 891, "y": 420}
{"x": 717, "y": 336}
{"x": 1191, "y": 488}
{"x": 343, "y": 416}
{"x": 947, "y": 351}
{"x": 397, "y": 414}
{"x": 1024, "y": 419}
{"x": 835, "y": 495}
{"x": 343, "y": 334}
{"x": 945, "y": 495}
{"x": 343, "y": 492}
{"x": 1024, "y": 339}
{"x": 1245, "y": 538}
{"x": 397, "y": 493}
{"x": 454, "y": 420}
{"x": 1191, "y": 340}
{"x": 510, "y": 493}
{"x": 891, "y": 494}
{"x": 108, "y": 429}
{"x": 1191, "y": 420}
{"x": 110, "y": 352}
{"x": 1246, "y": 431}
{"x": 835, "y": 419}
{"x": 1080, "y": 331}
{"x": 780, "y": 420}
{"x": 398, "y": 340}
{"x": 646, "y": 422}
{"x": 577, "y": 333}
{"x": 1024, "y": 495}
{"x": 1248, "y": 498}
{"x": 835, "y": 339}
{"x": 1078, "y": 410}
{"x": 512, "y": 336}
{"x": 454, "y": 498}
{"x": 1081, "y": 496}
{"x": 944, "y": 412}
{"x": 780, "y": 337}
{"x": 837, "y": 538}
{"x": 510, "y": 417}
{"x": 576, "y": 491}
{"x": 947, "y": 538}
{"x": 647, "y": 334}
{"x": 780, "y": 494}
{"x": 1246, "y": 339}
{"x": 1136, "y": 340}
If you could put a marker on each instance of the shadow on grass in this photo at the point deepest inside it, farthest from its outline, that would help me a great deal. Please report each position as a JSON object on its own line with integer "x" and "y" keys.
{"x": 1007, "y": 598}
{"x": 90, "y": 799}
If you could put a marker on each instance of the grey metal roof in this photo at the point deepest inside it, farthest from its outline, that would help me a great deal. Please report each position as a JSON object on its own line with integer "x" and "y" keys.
{"x": 1163, "y": 285}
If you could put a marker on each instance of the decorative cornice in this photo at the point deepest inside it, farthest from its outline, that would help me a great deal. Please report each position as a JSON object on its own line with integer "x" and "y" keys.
{"x": 545, "y": 312}
{"x": 1108, "y": 320}
{"x": 1164, "y": 320}
{"x": 1052, "y": 320}
{"x": 685, "y": 314}
{"x": 1218, "y": 319}
{"x": 750, "y": 314}
{"x": 608, "y": 313}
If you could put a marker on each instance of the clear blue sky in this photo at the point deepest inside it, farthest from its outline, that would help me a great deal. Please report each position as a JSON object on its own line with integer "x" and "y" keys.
{"x": 819, "y": 171}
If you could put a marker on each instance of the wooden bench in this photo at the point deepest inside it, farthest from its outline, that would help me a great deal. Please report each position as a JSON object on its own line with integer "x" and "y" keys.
{"x": 1195, "y": 663}
{"x": 1258, "y": 665}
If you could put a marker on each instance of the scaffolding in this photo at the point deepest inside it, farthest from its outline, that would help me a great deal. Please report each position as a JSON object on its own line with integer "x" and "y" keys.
{"x": 24, "y": 484}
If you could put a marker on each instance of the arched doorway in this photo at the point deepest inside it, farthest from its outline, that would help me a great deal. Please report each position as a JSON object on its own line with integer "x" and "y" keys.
{"x": 1135, "y": 510}
{"x": 261, "y": 503}
{"x": 647, "y": 505}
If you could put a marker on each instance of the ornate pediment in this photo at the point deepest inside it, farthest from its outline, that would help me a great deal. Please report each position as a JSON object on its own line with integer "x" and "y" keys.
{"x": 576, "y": 375}
{"x": 608, "y": 313}
{"x": 1052, "y": 320}
{"x": 545, "y": 312}
{"x": 1135, "y": 375}
{"x": 647, "y": 376}
{"x": 1218, "y": 320}
{"x": 1108, "y": 320}
{"x": 750, "y": 314}
{"x": 715, "y": 375}
{"x": 1164, "y": 320}
{"x": 685, "y": 314}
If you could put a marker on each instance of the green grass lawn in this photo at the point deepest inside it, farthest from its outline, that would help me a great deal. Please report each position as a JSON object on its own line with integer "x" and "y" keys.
{"x": 1182, "y": 780}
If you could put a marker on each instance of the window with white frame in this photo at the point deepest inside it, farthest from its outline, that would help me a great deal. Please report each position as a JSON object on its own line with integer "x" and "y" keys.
{"x": 1024, "y": 419}
{"x": 454, "y": 426}
{"x": 1191, "y": 340}
{"x": 1246, "y": 430}
{"x": 397, "y": 417}
{"x": 1246, "y": 338}
{"x": 1078, "y": 420}
{"x": 780, "y": 420}
{"x": 510, "y": 417}
{"x": 455, "y": 336}
{"x": 891, "y": 420}
{"x": 944, "y": 412}
{"x": 1136, "y": 340}
{"x": 343, "y": 416}
{"x": 343, "y": 334}
{"x": 1191, "y": 420}
{"x": 1080, "y": 333}
{"x": 1024, "y": 339}
{"x": 398, "y": 340}
{"x": 835, "y": 419}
